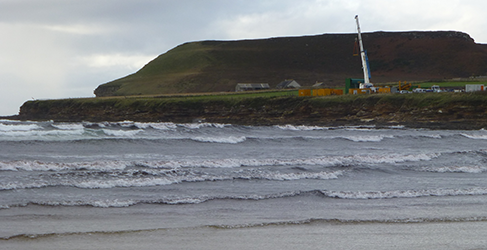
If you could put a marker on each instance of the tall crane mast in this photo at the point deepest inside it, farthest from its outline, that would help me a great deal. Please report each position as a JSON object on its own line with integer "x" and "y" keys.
{"x": 363, "y": 54}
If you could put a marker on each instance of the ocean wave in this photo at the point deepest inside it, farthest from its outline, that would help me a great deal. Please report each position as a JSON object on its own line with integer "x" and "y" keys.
{"x": 183, "y": 200}
{"x": 311, "y": 221}
{"x": 475, "y": 136}
{"x": 367, "y": 138}
{"x": 121, "y": 133}
{"x": 276, "y": 176}
{"x": 197, "y": 199}
{"x": 157, "y": 126}
{"x": 203, "y": 125}
{"x": 415, "y": 220}
{"x": 40, "y": 134}
{"x": 300, "y": 127}
{"x": 68, "y": 126}
{"x": 220, "y": 139}
{"x": 326, "y": 161}
{"x": 455, "y": 169}
{"x": 397, "y": 127}
{"x": 359, "y": 128}
{"x": 403, "y": 193}
{"x": 149, "y": 178}
{"x": 18, "y": 127}
{"x": 57, "y": 166}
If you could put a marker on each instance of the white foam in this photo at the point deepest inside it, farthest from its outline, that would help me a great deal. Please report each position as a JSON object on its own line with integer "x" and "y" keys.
{"x": 434, "y": 136}
{"x": 100, "y": 124}
{"x": 121, "y": 133}
{"x": 186, "y": 200}
{"x": 300, "y": 128}
{"x": 397, "y": 127}
{"x": 393, "y": 158}
{"x": 276, "y": 176}
{"x": 69, "y": 126}
{"x": 54, "y": 166}
{"x": 40, "y": 134}
{"x": 19, "y": 185}
{"x": 158, "y": 126}
{"x": 136, "y": 182}
{"x": 217, "y": 163}
{"x": 203, "y": 125}
{"x": 403, "y": 193}
{"x": 125, "y": 124}
{"x": 324, "y": 161}
{"x": 359, "y": 128}
{"x": 456, "y": 169}
{"x": 229, "y": 139}
{"x": 476, "y": 137}
{"x": 94, "y": 203}
{"x": 18, "y": 127}
{"x": 367, "y": 138}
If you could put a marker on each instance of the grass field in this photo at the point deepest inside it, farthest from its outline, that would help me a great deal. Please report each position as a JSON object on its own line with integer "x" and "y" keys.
{"x": 443, "y": 84}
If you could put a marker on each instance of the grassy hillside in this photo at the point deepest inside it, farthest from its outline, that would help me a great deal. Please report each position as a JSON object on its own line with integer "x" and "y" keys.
{"x": 214, "y": 66}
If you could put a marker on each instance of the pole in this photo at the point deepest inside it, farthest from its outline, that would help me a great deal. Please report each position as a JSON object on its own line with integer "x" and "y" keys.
{"x": 362, "y": 54}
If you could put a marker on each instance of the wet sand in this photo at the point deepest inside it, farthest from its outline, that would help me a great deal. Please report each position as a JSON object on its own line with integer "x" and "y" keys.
{"x": 460, "y": 235}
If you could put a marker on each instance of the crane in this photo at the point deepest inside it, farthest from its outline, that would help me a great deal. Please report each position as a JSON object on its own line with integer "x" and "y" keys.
{"x": 365, "y": 61}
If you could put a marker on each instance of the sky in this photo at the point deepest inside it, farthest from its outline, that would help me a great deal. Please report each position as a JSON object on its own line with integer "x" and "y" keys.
{"x": 53, "y": 49}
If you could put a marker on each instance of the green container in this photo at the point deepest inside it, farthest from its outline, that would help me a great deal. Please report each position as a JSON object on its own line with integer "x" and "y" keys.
{"x": 351, "y": 83}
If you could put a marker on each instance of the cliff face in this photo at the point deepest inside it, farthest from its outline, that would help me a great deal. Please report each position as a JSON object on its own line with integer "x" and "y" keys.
{"x": 438, "y": 110}
{"x": 212, "y": 66}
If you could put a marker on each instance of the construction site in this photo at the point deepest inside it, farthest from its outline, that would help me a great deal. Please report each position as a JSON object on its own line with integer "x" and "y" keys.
{"x": 364, "y": 86}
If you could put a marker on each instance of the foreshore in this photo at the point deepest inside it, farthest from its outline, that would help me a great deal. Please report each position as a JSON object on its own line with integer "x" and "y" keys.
{"x": 461, "y": 235}
{"x": 435, "y": 111}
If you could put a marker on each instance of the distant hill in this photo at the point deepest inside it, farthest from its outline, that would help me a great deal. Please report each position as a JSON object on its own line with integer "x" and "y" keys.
{"x": 215, "y": 66}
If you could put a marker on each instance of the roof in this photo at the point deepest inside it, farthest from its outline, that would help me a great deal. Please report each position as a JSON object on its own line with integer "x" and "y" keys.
{"x": 288, "y": 84}
{"x": 253, "y": 85}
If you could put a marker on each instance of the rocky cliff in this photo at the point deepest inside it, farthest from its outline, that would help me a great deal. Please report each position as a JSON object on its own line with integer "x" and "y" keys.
{"x": 438, "y": 110}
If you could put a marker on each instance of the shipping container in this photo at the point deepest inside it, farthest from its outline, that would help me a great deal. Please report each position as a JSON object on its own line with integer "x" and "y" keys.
{"x": 359, "y": 91}
{"x": 474, "y": 87}
{"x": 305, "y": 92}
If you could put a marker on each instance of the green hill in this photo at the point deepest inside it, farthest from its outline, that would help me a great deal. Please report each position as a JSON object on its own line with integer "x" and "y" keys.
{"x": 217, "y": 66}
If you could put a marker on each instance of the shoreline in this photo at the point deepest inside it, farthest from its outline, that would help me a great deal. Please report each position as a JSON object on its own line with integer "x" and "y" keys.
{"x": 434, "y": 111}
{"x": 435, "y": 125}
{"x": 456, "y": 235}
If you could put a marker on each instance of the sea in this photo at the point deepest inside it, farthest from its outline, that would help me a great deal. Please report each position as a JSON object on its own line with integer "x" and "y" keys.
{"x": 132, "y": 185}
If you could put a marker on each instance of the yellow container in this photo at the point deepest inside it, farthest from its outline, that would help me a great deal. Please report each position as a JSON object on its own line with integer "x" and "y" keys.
{"x": 383, "y": 90}
{"x": 305, "y": 92}
{"x": 321, "y": 92}
{"x": 337, "y": 92}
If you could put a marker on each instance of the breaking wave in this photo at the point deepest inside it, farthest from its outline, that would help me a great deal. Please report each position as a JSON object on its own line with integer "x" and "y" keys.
{"x": 326, "y": 161}
{"x": 149, "y": 178}
{"x": 455, "y": 169}
{"x": 300, "y": 128}
{"x": 403, "y": 193}
{"x": 475, "y": 136}
{"x": 181, "y": 200}
{"x": 219, "y": 139}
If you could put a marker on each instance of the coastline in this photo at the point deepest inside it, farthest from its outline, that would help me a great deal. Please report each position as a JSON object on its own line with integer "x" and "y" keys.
{"x": 434, "y": 111}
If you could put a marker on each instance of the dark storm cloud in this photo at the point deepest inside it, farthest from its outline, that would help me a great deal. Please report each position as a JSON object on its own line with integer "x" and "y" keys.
{"x": 132, "y": 25}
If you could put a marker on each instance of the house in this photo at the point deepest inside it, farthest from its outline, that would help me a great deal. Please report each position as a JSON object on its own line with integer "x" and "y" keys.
{"x": 319, "y": 85}
{"x": 288, "y": 84}
{"x": 251, "y": 86}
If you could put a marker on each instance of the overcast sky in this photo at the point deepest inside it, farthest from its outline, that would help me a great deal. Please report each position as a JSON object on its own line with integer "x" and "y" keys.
{"x": 52, "y": 49}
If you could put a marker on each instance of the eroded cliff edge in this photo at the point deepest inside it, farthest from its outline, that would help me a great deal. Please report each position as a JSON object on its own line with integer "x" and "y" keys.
{"x": 429, "y": 110}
